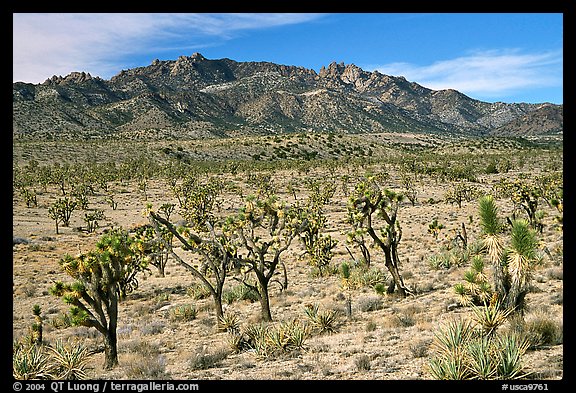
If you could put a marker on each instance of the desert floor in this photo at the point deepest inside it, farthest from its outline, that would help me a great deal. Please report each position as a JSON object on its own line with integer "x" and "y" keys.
{"x": 386, "y": 338}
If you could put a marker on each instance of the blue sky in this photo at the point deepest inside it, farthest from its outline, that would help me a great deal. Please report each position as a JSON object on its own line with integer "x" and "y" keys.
{"x": 509, "y": 57}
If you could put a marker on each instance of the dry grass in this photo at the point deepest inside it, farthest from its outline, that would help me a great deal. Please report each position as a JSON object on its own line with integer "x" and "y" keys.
{"x": 385, "y": 338}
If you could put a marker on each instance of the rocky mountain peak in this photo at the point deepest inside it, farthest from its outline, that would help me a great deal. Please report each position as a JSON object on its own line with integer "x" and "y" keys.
{"x": 197, "y": 57}
{"x": 73, "y": 77}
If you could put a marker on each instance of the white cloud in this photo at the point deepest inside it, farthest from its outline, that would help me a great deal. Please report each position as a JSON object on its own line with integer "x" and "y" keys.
{"x": 56, "y": 44}
{"x": 487, "y": 73}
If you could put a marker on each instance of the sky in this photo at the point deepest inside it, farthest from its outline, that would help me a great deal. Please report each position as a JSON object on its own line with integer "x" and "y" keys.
{"x": 507, "y": 57}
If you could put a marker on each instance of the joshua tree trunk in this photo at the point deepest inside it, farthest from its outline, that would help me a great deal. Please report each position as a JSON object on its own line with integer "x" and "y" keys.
{"x": 110, "y": 350}
{"x": 265, "y": 303}
{"x": 392, "y": 266}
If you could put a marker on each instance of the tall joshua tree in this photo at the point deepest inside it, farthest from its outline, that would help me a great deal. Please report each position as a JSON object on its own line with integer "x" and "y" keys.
{"x": 370, "y": 205}
{"x": 103, "y": 277}
{"x": 264, "y": 229}
{"x": 215, "y": 250}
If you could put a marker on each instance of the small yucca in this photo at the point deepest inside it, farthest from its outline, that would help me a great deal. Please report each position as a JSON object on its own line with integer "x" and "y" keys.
{"x": 229, "y": 322}
{"x": 491, "y": 316}
{"x": 30, "y": 362}
{"x": 69, "y": 361}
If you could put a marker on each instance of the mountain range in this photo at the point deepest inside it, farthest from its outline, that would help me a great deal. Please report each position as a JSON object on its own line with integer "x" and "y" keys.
{"x": 194, "y": 97}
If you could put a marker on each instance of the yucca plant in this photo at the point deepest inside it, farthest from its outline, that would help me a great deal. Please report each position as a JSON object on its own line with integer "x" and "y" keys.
{"x": 69, "y": 361}
{"x": 482, "y": 362}
{"x": 448, "y": 367}
{"x": 493, "y": 243}
{"x": 491, "y": 316}
{"x": 463, "y": 352}
{"x": 510, "y": 349}
{"x": 434, "y": 228}
{"x": 512, "y": 265}
{"x": 229, "y": 322}
{"x": 521, "y": 259}
{"x": 322, "y": 321}
{"x": 449, "y": 342}
{"x": 37, "y": 325}
{"x": 30, "y": 362}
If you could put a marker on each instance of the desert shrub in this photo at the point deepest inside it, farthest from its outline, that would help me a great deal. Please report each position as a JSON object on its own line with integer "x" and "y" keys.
{"x": 198, "y": 291}
{"x": 370, "y": 303}
{"x": 419, "y": 348}
{"x": 363, "y": 363}
{"x": 152, "y": 367}
{"x": 539, "y": 329}
{"x": 186, "y": 312}
{"x": 203, "y": 360}
{"x": 150, "y": 328}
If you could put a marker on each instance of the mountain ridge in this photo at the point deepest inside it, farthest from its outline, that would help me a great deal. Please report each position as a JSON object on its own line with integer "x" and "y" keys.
{"x": 195, "y": 97}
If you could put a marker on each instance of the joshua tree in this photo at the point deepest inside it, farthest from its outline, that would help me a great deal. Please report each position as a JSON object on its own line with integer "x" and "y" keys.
{"x": 103, "y": 277}
{"x": 61, "y": 210}
{"x": 512, "y": 265}
{"x": 265, "y": 229}
{"x": 366, "y": 205}
{"x": 216, "y": 251}
{"x": 318, "y": 246}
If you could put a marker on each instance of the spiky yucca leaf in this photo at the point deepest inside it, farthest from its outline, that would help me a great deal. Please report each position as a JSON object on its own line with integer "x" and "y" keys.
{"x": 453, "y": 336}
{"x": 229, "y": 322}
{"x": 482, "y": 360}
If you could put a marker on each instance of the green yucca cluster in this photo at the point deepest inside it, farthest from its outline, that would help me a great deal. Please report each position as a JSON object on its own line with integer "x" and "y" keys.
{"x": 465, "y": 350}
{"x": 59, "y": 361}
{"x": 269, "y": 340}
{"x": 355, "y": 276}
{"x": 476, "y": 289}
{"x": 239, "y": 292}
{"x": 323, "y": 320}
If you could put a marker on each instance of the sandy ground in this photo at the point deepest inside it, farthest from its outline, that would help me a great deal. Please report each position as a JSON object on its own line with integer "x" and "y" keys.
{"x": 391, "y": 342}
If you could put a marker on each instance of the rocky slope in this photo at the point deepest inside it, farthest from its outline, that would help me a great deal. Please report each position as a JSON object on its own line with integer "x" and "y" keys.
{"x": 194, "y": 97}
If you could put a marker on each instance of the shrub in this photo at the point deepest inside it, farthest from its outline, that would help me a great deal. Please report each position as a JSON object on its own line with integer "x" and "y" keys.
{"x": 203, "y": 360}
{"x": 363, "y": 363}
{"x": 186, "y": 312}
